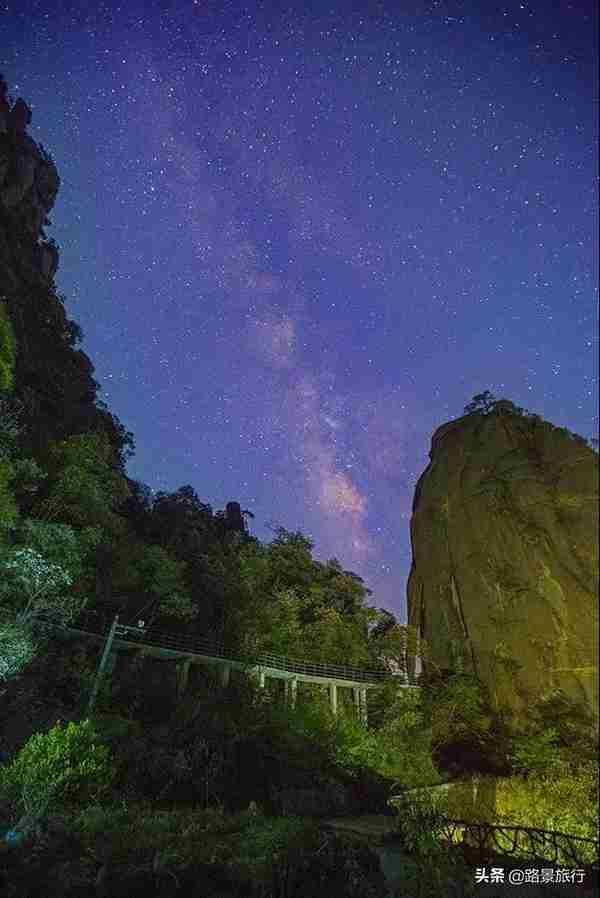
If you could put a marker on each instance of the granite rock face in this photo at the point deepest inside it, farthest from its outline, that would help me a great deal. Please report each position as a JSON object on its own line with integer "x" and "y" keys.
{"x": 29, "y": 183}
{"x": 504, "y": 579}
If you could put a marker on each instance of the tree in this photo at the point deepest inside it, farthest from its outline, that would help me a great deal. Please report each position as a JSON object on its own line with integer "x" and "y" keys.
{"x": 397, "y": 645}
{"x": 38, "y": 586}
{"x": 17, "y": 649}
{"x": 65, "y": 762}
{"x": 180, "y": 522}
{"x": 274, "y": 625}
{"x": 59, "y": 543}
{"x": 141, "y": 571}
{"x": 40, "y": 571}
{"x": 481, "y": 404}
{"x": 334, "y": 638}
{"x": 85, "y": 484}
{"x": 384, "y": 622}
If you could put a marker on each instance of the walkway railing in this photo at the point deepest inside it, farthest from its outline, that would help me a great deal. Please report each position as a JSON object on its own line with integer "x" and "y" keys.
{"x": 522, "y": 841}
{"x": 198, "y": 645}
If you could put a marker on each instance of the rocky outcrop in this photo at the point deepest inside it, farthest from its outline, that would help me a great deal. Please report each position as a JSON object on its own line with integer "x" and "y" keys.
{"x": 29, "y": 183}
{"x": 504, "y": 579}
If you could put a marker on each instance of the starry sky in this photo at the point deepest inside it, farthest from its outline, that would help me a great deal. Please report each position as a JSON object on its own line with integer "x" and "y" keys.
{"x": 300, "y": 237}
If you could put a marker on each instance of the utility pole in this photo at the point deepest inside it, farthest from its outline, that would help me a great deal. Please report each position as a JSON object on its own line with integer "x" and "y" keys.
{"x": 103, "y": 662}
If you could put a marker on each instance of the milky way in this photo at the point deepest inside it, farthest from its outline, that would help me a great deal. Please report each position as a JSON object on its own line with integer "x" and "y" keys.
{"x": 299, "y": 240}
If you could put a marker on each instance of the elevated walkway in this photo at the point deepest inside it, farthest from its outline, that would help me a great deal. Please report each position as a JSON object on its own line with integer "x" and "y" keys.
{"x": 189, "y": 650}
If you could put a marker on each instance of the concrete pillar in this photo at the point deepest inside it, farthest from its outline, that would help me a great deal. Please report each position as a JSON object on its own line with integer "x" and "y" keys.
{"x": 356, "y": 694}
{"x": 363, "y": 704}
{"x": 224, "y": 674}
{"x": 183, "y": 673}
{"x": 261, "y": 679}
{"x": 290, "y": 691}
{"x": 333, "y": 697}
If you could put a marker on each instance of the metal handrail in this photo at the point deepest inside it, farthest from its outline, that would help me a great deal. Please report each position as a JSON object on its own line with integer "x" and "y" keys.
{"x": 207, "y": 646}
{"x": 543, "y": 843}
{"x": 204, "y": 645}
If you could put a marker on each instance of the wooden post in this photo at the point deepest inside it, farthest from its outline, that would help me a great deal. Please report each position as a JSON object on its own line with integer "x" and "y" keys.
{"x": 103, "y": 661}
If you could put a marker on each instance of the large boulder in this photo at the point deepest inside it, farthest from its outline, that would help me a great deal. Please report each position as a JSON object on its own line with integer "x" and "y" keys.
{"x": 504, "y": 579}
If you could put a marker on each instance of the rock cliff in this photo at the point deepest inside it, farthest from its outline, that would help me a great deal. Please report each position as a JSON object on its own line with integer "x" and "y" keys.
{"x": 54, "y": 386}
{"x": 29, "y": 184}
{"x": 504, "y": 578}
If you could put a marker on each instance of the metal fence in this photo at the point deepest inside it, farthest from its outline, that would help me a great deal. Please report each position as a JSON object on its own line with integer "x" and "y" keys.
{"x": 198, "y": 645}
{"x": 522, "y": 841}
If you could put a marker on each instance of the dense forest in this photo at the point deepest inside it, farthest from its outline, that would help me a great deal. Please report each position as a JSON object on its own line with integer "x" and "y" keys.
{"x": 224, "y": 787}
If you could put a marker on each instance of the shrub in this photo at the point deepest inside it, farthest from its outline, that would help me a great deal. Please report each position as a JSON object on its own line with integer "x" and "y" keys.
{"x": 66, "y": 762}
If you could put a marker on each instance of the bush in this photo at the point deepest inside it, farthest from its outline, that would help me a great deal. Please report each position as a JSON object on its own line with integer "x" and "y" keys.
{"x": 66, "y": 762}
{"x": 564, "y": 800}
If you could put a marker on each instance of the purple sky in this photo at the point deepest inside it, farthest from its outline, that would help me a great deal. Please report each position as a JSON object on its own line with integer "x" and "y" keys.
{"x": 300, "y": 237}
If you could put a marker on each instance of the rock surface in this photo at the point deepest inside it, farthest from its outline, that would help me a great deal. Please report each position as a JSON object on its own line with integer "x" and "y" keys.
{"x": 504, "y": 579}
{"x": 29, "y": 184}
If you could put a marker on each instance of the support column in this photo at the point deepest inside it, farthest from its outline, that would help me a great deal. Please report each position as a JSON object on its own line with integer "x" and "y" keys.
{"x": 363, "y": 704}
{"x": 183, "y": 672}
{"x": 333, "y": 697}
{"x": 261, "y": 679}
{"x": 224, "y": 674}
{"x": 293, "y": 691}
{"x": 356, "y": 695}
{"x": 103, "y": 662}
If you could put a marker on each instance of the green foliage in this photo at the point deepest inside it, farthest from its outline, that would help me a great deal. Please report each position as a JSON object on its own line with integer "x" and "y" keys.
{"x": 10, "y": 424}
{"x": 252, "y": 848}
{"x": 274, "y": 626}
{"x": 481, "y": 403}
{"x": 39, "y": 585}
{"x": 297, "y": 606}
{"x": 405, "y": 735}
{"x": 336, "y": 638}
{"x": 8, "y": 506}
{"x": 59, "y": 544}
{"x": 558, "y": 730}
{"x": 457, "y": 709}
{"x": 38, "y": 575}
{"x": 17, "y": 649}
{"x": 398, "y": 645}
{"x": 66, "y": 762}
{"x": 563, "y": 798}
{"x": 421, "y": 814}
{"x": 484, "y": 403}
{"x": 398, "y": 751}
{"x": 8, "y": 350}
{"x": 85, "y": 484}
{"x": 142, "y": 570}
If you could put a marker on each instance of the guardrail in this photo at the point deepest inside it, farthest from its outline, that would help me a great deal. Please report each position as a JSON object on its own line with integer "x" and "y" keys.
{"x": 522, "y": 841}
{"x": 198, "y": 645}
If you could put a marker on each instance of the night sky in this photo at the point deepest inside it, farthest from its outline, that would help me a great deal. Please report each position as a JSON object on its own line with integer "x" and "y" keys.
{"x": 300, "y": 237}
